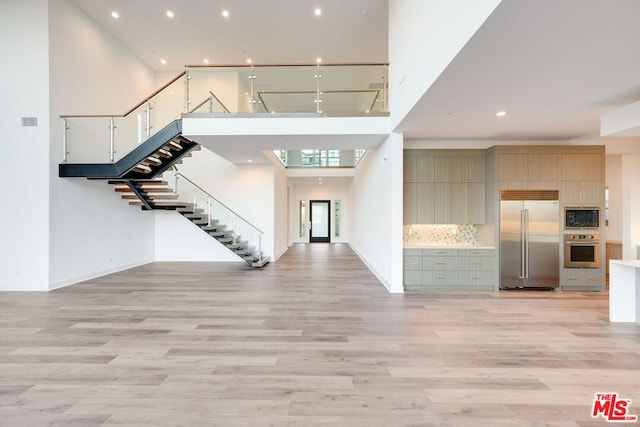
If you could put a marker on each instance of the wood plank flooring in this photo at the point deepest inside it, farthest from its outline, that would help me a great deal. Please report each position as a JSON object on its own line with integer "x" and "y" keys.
{"x": 312, "y": 340}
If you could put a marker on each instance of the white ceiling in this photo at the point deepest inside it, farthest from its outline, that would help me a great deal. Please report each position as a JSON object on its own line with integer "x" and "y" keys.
{"x": 268, "y": 32}
{"x": 554, "y": 65}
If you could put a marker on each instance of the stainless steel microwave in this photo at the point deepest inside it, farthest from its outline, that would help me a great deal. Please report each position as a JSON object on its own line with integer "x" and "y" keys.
{"x": 581, "y": 217}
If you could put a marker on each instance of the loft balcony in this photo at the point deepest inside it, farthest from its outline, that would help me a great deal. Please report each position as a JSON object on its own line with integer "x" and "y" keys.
{"x": 232, "y": 110}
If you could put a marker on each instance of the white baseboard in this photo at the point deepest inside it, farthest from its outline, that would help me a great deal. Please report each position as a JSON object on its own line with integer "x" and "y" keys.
{"x": 378, "y": 275}
{"x": 85, "y": 277}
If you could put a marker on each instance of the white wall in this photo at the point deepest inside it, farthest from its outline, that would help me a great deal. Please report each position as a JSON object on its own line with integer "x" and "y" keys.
{"x": 614, "y": 184}
{"x": 315, "y": 191}
{"x": 24, "y": 236}
{"x": 375, "y": 212}
{"x": 177, "y": 239}
{"x": 281, "y": 210}
{"x": 92, "y": 231}
{"x": 247, "y": 189}
{"x": 424, "y": 37}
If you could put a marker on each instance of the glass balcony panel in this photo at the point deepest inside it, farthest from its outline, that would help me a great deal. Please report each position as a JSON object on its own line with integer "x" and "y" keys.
{"x": 285, "y": 89}
{"x": 351, "y": 89}
{"x": 319, "y": 158}
{"x": 223, "y": 82}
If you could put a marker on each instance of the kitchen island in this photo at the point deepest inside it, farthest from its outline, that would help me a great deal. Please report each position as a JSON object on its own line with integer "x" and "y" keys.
{"x": 624, "y": 291}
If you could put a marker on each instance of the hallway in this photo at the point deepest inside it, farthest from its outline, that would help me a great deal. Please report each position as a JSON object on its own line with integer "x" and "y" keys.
{"x": 312, "y": 340}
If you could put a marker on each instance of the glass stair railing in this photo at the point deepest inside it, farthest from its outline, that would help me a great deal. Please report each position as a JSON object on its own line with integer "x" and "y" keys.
{"x": 216, "y": 219}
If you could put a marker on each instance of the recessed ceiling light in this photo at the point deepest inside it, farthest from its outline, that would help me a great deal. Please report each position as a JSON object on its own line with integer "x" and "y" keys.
{"x": 501, "y": 113}
{"x": 170, "y": 13}
{"x": 115, "y": 15}
{"x": 249, "y": 61}
{"x": 225, "y": 13}
{"x": 205, "y": 61}
{"x": 317, "y": 11}
{"x": 250, "y": 161}
{"x": 163, "y": 61}
{"x": 318, "y": 60}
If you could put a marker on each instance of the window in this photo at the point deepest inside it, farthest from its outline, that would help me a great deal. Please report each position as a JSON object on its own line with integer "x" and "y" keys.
{"x": 303, "y": 220}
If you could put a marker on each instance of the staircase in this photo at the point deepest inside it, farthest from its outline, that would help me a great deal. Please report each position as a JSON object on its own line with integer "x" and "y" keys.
{"x": 156, "y": 194}
{"x": 134, "y": 178}
{"x": 146, "y": 161}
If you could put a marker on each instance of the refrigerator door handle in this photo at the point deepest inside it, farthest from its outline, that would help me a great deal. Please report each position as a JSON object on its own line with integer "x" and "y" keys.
{"x": 526, "y": 236}
{"x": 522, "y": 245}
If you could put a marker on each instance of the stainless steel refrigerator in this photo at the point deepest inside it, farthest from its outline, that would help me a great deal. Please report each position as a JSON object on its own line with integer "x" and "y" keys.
{"x": 529, "y": 239}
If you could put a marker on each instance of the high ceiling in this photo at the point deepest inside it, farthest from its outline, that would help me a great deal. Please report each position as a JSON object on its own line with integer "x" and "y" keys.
{"x": 553, "y": 66}
{"x": 267, "y": 32}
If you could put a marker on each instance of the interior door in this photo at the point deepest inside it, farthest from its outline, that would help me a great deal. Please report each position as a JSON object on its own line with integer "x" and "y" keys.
{"x": 320, "y": 225}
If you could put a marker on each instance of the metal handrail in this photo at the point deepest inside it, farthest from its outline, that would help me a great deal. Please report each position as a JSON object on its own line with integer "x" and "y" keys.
{"x": 226, "y": 110}
{"x": 383, "y": 64}
{"x": 222, "y": 204}
{"x": 213, "y": 95}
{"x": 138, "y": 105}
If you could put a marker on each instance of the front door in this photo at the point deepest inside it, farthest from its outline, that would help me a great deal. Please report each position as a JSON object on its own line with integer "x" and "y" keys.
{"x": 320, "y": 225}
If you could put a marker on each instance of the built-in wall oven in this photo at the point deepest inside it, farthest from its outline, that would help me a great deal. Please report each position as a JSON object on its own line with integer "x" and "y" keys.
{"x": 582, "y": 251}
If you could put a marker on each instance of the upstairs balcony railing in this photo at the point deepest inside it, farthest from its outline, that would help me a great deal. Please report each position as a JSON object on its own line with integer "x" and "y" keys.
{"x": 318, "y": 89}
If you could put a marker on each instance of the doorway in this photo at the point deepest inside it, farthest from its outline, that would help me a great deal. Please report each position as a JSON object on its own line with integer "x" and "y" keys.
{"x": 320, "y": 231}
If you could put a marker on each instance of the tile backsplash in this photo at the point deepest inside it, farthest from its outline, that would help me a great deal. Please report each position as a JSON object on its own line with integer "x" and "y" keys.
{"x": 441, "y": 234}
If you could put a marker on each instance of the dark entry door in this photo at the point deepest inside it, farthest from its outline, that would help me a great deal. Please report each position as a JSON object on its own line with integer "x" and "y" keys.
{"x": 320, "y": 224}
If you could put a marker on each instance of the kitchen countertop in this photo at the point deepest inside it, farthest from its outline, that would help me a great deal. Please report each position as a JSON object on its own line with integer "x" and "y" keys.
{"x": 629, "y": 263}
{"x": 419, "y": 246}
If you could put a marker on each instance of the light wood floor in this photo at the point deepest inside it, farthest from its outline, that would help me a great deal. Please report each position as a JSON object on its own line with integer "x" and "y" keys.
{"x": 313, "y": 340}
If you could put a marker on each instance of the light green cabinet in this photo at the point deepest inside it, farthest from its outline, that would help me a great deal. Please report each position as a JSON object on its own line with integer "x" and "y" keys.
{"x": 468, "y": 203}
{"x": 449, "y": 269}
{"x": 437, "y": 197}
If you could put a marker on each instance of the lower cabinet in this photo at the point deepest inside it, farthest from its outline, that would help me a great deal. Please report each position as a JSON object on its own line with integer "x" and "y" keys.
{"x": 449, "y": 269}
{"x": 582, "y": 279}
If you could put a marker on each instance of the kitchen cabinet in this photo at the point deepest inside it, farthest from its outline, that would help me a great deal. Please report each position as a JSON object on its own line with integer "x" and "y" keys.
{"x": 523, "y": 168}
{"x": 468, "y": 169}
{"x": 410, "y": 169}
{"x": 442, "y": 203}
{"x": 582, "y": 167}
{"x": 582, "y": 179}
{"x": 512, "y": 167}
{"x": 477, "y": 268}
{"x": 427, "y": 203}
{"x": 582, "y": 192}
{"x": 410, "y": 202}
{"x": 582, "y": 279}
{"x": 449, "y": 269}
{"x": 436, "y": 199}
{"x": 542, "y": 167}
{"x": 468, "y": 203}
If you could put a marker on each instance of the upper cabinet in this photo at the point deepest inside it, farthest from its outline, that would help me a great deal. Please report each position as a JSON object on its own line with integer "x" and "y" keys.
{"x": 582, "y": 179}
{"x": 578, "y": 172}
{"x": 468, "y": 169}
{"x": 445, "y": 187}
{"x": 526, "y": 167}
{"x": 582, "y": 167}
